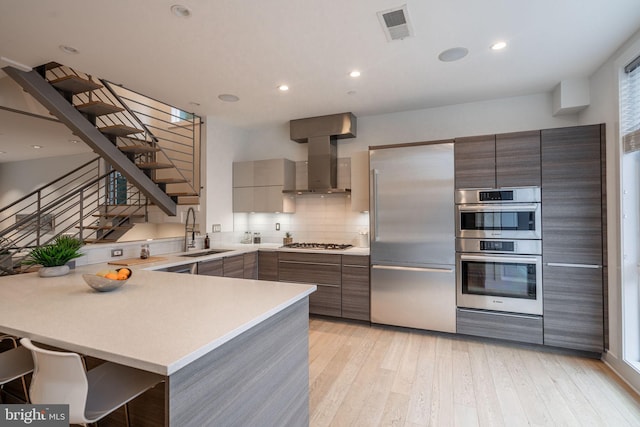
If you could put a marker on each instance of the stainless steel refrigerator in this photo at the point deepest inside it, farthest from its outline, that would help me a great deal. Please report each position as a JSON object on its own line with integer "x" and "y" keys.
{"x": 413, "y": 237}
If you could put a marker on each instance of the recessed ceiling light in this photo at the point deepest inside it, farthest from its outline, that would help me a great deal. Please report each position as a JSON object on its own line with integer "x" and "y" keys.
{"x": 37, "y": 147}
{"x": 498, "y": 46}
{"x": 74, "y": 141}
{"x": 283, "y": 88}
{"x": 227, "y": 97}
{"x": 355, "y": 73}
{"x": 351, "y": 92}
{"x": 69, "y": 49}
{"x": 181, "y": 11}
{"x": 453, "y": 54}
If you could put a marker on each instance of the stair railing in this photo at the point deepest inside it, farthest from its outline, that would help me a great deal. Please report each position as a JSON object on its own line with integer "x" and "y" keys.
{"x": 74, "y": 204}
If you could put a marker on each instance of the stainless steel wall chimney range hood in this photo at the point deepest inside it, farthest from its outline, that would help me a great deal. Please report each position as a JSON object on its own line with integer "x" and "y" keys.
{"x": 322, "y": 134}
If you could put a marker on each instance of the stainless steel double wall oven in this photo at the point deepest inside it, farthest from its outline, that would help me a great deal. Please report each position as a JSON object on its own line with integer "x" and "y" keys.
{"x": 499, "y": 250}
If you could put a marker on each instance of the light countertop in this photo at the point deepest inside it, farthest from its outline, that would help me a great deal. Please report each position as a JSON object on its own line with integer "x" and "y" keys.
{"x": 157, "y": 321}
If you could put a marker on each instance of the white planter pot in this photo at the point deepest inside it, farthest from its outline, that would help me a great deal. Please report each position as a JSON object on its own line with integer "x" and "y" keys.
{"x": 59, "y": 270}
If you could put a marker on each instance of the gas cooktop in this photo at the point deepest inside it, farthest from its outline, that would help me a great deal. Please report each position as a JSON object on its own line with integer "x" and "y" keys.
{"x": 327, "y": 246}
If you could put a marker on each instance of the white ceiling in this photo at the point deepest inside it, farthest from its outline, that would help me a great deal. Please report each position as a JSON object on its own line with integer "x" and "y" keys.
{"x": 248, "y": 47}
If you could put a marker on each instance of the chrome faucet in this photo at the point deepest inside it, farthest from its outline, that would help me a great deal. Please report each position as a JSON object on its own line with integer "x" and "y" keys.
{"x": 190, "y": 244}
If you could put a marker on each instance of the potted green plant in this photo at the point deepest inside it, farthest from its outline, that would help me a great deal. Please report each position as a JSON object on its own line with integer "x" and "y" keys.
{"x": 287, "y": 239}
{"x": 54, "y": 257}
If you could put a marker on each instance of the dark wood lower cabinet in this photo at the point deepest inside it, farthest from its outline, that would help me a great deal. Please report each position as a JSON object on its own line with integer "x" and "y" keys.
{"x": 573, "y": 311}
{"x": 355, "y": 287}
{"x": 233, "y": 266}
{"x": 210, "y": 268}
{"x": 268, "y": 265}
{"x": 521, "y": 328}
{"x": 251, "y": 265}
{"x": 322, "y": 270}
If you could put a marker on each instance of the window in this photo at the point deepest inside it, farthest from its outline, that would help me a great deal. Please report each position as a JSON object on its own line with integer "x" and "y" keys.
{"x": 630, "y": 106}
{"x": 178, "y": 115}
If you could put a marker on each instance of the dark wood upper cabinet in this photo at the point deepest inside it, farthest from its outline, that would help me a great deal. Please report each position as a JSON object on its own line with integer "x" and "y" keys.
{"x": 572, "y": 195}
{"x": 494, "y": 161}
{"x": 475, "y": 162}
{"x": 518, "y": 159}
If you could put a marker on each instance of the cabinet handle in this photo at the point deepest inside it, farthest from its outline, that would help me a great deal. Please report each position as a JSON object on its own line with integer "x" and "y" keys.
{"x": 561, "y": 264}
{"x": 374, "y": 194}
{"x": 312, "y": 283}
{"x": 309, "y": 263}
{"x": 417, "y": 269}
{"x": 355, "y": 266}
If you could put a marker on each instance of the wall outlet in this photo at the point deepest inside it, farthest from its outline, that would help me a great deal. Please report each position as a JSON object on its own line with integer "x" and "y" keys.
{"x": 216, "y": 228}
{"x": 277, "y": 226}
{"x": 116, "y": 252}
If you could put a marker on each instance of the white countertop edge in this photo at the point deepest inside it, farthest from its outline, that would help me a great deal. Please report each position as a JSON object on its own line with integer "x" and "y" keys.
{"x": 179, "y": 364}
{"x": 162, "y": 369}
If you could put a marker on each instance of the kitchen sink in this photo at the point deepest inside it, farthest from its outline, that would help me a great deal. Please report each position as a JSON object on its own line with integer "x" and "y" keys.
{"x": 204, "y": 253}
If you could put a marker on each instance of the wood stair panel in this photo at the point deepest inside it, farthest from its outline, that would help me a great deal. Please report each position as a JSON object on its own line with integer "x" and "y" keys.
{"x": 154, "y": 165}
{"x": 74, "y": 84}
{"x": 118, "y": 215}
{"x": 100, "y": 240}
{"x": 106, "y": 227}
{"x": 138, "y": 149}
{"x": 119, "y": 130}
{"x": 170, "y": 181}
{"x": 98, "y": 108}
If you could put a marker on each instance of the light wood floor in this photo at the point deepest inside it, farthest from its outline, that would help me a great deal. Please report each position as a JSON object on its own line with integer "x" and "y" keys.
{"x": 364, "y": 375}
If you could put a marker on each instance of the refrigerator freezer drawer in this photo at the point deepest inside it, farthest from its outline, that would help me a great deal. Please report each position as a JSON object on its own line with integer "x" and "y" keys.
{"x": 422, "y": 298}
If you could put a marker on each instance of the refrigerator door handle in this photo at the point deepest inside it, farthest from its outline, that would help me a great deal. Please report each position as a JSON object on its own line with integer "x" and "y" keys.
{"x": 374, "y": 196}
{"x": 417, "y": 269}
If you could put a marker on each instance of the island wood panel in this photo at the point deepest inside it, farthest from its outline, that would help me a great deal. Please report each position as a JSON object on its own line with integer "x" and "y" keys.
{"x": 572, "y": 195}
{"x": 268, "y": 265}
{"x": 233, "y": 266}
{"x": 356, "y": 288}
{"x": 211, "y": 268}
{"x": 573, "y": 308}
{"x": 504, "y": 326}
{"x": 518, "y": 159}
{"x": 250, "y": 261}
{"x": 267, "y": 366}
{"x": 475, "y": 162}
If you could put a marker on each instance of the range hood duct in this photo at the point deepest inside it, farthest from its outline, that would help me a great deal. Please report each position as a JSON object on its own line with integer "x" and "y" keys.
{"x": 322, "y": 134}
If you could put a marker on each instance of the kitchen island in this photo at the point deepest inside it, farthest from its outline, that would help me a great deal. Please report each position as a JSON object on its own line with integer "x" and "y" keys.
{"x": 231, "y": 351}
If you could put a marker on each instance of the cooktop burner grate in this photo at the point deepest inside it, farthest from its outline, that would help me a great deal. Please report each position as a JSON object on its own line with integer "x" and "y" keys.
{"x": 327, "y": 246}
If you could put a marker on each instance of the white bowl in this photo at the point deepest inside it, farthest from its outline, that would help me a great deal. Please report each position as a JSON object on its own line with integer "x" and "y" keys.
{"x": 102, "y": 284}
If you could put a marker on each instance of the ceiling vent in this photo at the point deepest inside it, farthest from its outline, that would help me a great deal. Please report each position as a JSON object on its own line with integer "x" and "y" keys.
{"x": 395, "y": 23}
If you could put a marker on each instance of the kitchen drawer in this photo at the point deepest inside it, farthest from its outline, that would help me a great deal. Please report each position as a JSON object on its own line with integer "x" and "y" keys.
{"x": 310, "y": 257}
{"x": 504, "y": 326}
{"x": 305, "y": 272}
{"x": 355, "y": 260}
{"x": 326, "y": 301}
{"x": 356, "y": 292}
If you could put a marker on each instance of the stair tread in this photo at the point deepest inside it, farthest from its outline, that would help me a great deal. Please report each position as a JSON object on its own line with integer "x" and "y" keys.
{"x": 106, "y": 227}
{"x": 98, "y": 108}
{"x": 74, "y": 84}
{"x": 181, "y": 194}
{"x": 154, "y": 165}
{"x": 170, "y": 180}
{"x": 100, "y": 240}
{"x": 119, "y": 130}
{"x": 118, "y": 215}
{"x": 138, "y": 149}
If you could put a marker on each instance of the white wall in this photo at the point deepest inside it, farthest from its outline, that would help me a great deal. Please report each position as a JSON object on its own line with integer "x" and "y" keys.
{"x": 604, "y": 108}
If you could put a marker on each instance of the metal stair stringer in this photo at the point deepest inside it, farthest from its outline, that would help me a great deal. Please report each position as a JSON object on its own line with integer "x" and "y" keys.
{"x": 57, "y": 105}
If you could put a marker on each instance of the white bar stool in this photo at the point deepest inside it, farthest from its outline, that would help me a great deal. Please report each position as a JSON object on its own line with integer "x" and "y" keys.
{"x": 15, "y": 363}
{"x": 60, "y": 378}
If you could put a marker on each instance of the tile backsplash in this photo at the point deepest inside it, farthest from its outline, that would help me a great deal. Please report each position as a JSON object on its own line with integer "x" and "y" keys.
{"x": 318, "y": 218}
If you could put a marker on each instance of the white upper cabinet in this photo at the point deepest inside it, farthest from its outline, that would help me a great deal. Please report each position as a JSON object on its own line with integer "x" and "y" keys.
{"x": 258, "y": 186}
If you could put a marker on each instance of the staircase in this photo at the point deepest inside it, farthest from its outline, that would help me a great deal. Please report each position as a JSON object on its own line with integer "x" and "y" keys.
{"x": 149, "y": 155}
{"x": 153, "y": 145}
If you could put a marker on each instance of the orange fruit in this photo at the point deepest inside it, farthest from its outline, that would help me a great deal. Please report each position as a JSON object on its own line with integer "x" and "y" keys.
{"x": 113, "y": 276}
{"x": 122, "y": 276}
{"x": 124, "y": 272}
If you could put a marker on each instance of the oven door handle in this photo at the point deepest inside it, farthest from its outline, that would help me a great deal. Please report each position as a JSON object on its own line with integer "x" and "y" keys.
{"x": 520, "y": 207}
{"x": 508, "y": 258}
{"x": 416, "y": 269}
